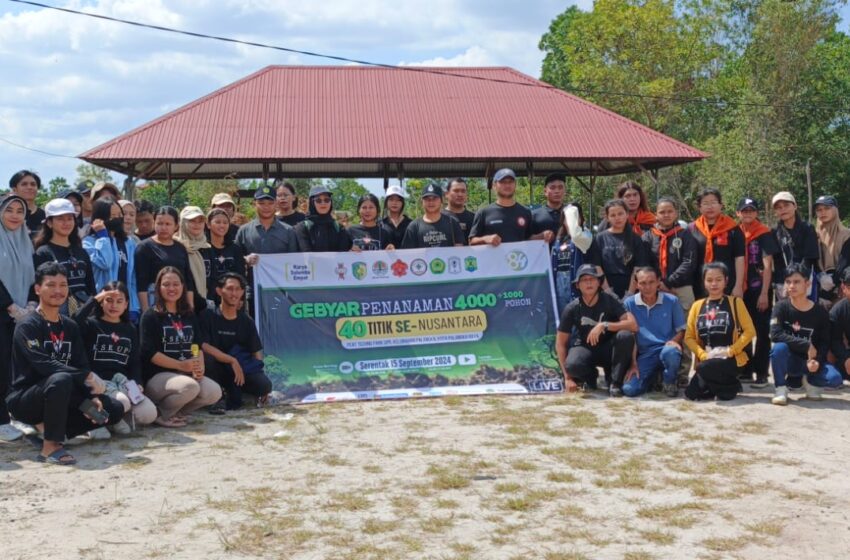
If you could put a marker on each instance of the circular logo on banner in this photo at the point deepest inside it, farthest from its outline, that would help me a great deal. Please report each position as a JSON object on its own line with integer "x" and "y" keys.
{"x": 346, "y": 367}
{"x": 418, "y": 267}
{"x": 517, "y": 260}
{"x": 438, "y": 266}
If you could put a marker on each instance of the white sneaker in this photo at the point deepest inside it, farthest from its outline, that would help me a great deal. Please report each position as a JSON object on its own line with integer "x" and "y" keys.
{"x": 10, "y": 433}
{"x": 122, "y": 428}
{"x": 812, "y": 393}
{"x": 781, "y": 396}
{"x": 99, "y": 433}
{"x": 25, "y": 428}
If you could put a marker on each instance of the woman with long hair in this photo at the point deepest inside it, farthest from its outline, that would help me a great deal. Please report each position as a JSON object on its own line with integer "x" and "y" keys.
{"x": 798, "y": 242}
{"x": 17, "y": 274}
{"x": 59, "y": 241}
{"x": 320, "y": 232}
{"x": 172, "y": 362}
{"x": 112, "y": 253}
{"x": 719, "y": 332}
{"x": 112, "y": 346}
{"x": 620, "y": 250}
{"x": 287, "y": 204}
{"x": 370, "y": 234}
{"x": 833, "y": 238}
{"x": 395, "y": 220}
{"x": 129, "y": 209}
{"x": 158, "y": 251}
{"x": 223, "y": 255}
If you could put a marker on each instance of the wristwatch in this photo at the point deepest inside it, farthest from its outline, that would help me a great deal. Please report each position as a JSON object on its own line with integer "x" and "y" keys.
{"x": 605, "y": 327}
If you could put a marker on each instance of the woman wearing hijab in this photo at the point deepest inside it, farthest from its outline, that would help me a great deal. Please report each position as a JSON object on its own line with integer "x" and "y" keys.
{"x": 320, "y": 233}
{"x": 192, "y": 236}
{"x": 16, "y": 278}
{"x": 834, "y": 248}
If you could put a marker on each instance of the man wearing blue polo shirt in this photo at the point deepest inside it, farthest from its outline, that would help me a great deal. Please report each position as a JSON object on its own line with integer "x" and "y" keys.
{"x": 661, "y": 328}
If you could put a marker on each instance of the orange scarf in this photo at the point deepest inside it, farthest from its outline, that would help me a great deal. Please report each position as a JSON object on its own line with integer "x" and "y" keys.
{"x": 724, "y": 224}
{"x": 662, "y": 249}
{"x": 751, "y": 233}
{"x": 642, "y": 218}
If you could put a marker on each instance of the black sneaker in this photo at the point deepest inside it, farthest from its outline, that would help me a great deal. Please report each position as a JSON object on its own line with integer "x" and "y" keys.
{"x": 759, "y": 383}
{"x": 615, "y": 392}
{"x": 218, "y": 408}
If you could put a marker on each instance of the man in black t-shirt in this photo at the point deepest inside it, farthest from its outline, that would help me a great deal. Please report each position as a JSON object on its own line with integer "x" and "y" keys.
{"x": 798, "y": 241}
{"x": 457, "y": 194}
{"x": 504, "y": 221}
{"x": 761, "y": 247}
{"x": 233, "y": 348}
{"x": 548, "y": 216}
{"x": 799, "y": 329}
{"x": 51, "y": 377}
{"x": 434, "y": 229}
{"x": 595, "y": 331}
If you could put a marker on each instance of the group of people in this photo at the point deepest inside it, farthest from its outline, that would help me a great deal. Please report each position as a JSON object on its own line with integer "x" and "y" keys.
{"x": 120, "y": 314}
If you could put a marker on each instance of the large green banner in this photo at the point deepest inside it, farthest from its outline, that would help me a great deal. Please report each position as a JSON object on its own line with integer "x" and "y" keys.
{"x": 408, "y": 323}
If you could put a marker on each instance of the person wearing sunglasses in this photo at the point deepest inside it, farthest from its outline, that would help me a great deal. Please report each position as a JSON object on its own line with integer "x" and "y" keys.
{"x": 320, "y": 232}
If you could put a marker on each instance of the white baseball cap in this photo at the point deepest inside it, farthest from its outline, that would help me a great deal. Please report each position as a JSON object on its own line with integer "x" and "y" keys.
{"x": 395, "y": 190}
{"x": 59, "y": 207}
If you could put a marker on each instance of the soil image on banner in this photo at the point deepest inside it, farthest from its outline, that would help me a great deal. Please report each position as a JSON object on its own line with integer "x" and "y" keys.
{"x": 414, "y": 323}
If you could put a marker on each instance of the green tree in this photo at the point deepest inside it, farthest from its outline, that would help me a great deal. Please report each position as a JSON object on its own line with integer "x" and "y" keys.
{"x": 89, "y": 172}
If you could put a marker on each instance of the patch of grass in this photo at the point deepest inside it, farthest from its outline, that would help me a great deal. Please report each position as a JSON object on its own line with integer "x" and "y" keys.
{"x": 572, "y": 511}
{"x": 562, "y": 476}
{"x": 678, "y": 515}
{"x": 404, "y": 505}
{"x": 372, "y": 469}
{"x": 134, "y": 463}
{"x": 523, "y": 465}
{"x": 574, "y": 555}
{"x": 444, "y": 503}
{"x": 661, "y": 538}
{"x": 377, "y": 526}
{"x": 583, "y": 419}
{"x": 452, "y": 400}
{"x": 349, "y": 502}
{"x": 334, "y": 460}
{"x": 507, "y": 487}
{"x": 582, "y": 457}
{"x": 447, "y": 478}
{"x": 411, "y": 543}
{"x": 437, "y": 524}
{"x": 772, "y": 528}
{"x": 638, "y": 555}
{"x": 725, "y": 544}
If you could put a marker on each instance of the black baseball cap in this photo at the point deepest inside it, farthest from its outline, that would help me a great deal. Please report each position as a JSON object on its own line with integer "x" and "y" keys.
{"x": 84, "y": 187}
{"x": 264, "y": 192}
{"x": 826, "y": 200}
{"x": 432, "y": 190}
{"x": 748, "y": 202}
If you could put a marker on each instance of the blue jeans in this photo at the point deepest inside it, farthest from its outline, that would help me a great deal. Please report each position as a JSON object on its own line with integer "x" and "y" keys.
{"x": 786, "y": 363}
{"x": 664, "y": 358}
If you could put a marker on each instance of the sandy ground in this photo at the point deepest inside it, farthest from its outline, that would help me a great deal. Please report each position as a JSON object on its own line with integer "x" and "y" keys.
{"x": 510, "y": 477}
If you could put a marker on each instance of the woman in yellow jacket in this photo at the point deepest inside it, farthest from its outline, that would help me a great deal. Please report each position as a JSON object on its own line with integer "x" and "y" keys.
{"x": 719, "y": 331}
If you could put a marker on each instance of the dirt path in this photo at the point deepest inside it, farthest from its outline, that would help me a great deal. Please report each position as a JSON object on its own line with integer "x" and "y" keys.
{"x": 524, "y": 477}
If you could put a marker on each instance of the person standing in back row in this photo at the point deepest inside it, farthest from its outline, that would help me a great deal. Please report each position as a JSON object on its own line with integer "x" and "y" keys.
{"x": 798, "y": 242}
{"x": 548, "y": 216}
{"x": 434, "y": 229}
{"x": 504, "y": 221}
{"x": 719, "y": 239}
{"x": 758, "y": 286}
{"x": 457, "y": 193}
{"x": 395, "y": 220}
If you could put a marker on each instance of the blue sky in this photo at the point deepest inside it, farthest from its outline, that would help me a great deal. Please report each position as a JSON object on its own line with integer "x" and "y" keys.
{"x": 71, "y": 82}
